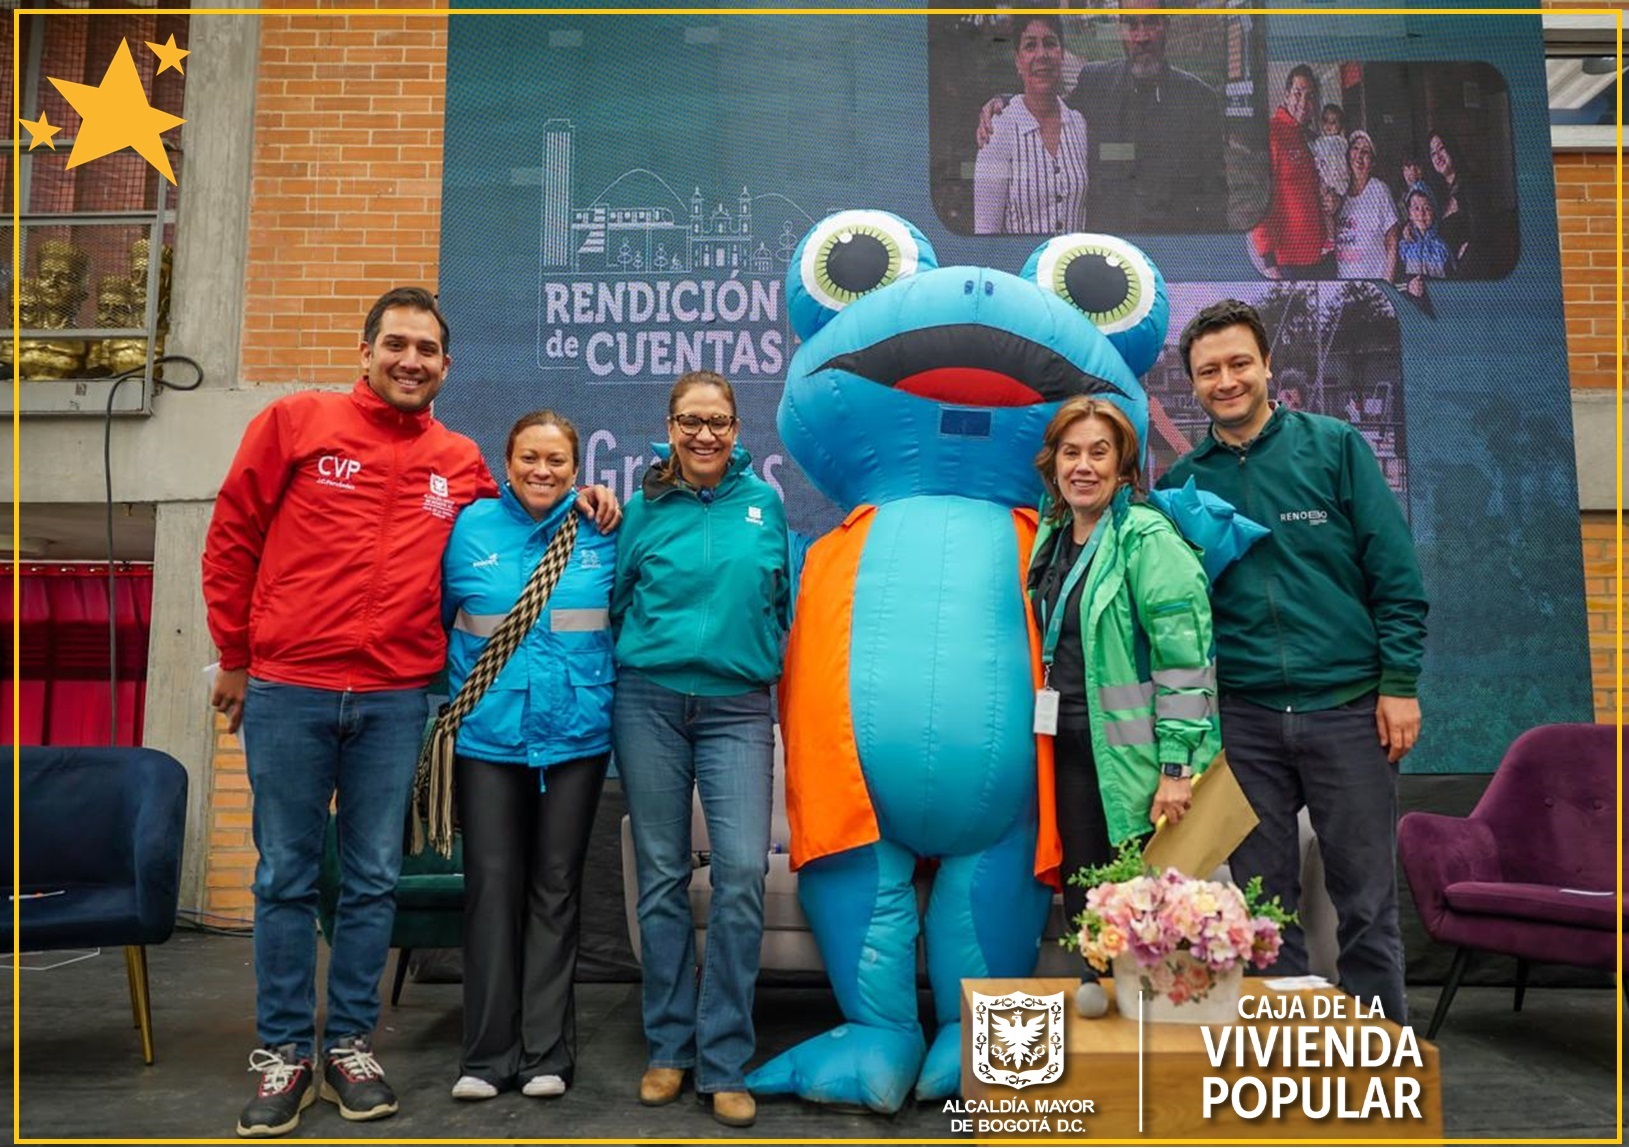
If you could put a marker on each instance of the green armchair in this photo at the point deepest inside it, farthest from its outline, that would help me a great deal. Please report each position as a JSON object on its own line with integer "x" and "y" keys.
{"x": 429, "y": 902}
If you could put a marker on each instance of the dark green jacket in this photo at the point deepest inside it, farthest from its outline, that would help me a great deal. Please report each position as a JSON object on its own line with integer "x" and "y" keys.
{"x": 1330, "y": 605}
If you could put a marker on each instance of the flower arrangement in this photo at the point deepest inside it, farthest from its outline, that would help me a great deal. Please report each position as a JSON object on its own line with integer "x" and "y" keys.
{"x": 1153, "y": 916}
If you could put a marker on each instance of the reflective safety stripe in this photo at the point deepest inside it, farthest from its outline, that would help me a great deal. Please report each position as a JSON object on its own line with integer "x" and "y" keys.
{"x": 481, "y": 625}
{"x": 1125, "y": 697}
{"x": 1202, "y": 678}
{"x": 575, "y": 621}
{"x": 1131, "y": 731}
{"x": 1195, "y": 707}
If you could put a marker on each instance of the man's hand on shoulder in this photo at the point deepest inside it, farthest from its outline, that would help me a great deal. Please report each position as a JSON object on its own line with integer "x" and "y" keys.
{"x": 992, "y": 108}
{"x": 1398, "y": 722}
{"x": 227, "y": 696}
{"x": 600, "y": 504}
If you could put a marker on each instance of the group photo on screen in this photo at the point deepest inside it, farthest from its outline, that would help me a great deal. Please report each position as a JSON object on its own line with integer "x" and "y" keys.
{"x": 1391, "y": 171}
{"x": 1087, "y": 119}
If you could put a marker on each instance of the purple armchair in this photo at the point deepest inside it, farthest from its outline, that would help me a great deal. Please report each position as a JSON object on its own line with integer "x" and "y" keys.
{"x": 1532, "y": 871}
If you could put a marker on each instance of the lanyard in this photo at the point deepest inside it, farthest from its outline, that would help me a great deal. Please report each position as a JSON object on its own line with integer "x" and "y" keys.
{"x": 1054, "y": 624}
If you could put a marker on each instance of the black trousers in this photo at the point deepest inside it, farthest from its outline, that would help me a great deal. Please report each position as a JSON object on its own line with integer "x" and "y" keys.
{"x": 1082, "y": 824}
{"x": 1332, "y": 762}
{"x": 523, "y": 871}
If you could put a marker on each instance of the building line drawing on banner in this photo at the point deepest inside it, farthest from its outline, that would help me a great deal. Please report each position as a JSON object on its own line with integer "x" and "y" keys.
{"x": 648, "y": 241}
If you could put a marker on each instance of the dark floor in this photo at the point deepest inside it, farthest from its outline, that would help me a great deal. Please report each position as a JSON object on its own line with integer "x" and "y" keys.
{"x": 1548, "y": 1072}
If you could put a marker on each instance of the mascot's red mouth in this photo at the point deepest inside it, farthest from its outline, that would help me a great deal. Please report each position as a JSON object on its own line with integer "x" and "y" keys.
{"x": 969, "y": 364}
{"x": 969, "y": 387}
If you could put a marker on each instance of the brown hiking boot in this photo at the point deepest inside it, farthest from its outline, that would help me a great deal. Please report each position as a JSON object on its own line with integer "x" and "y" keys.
{"x": 736, "y": 1109}
{"x": 660, "y": 1086}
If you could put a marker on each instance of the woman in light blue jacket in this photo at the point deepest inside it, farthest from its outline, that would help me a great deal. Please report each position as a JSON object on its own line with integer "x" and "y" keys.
{"x": 530, "y": 763}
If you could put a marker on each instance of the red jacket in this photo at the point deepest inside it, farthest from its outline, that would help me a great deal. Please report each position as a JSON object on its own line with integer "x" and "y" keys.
{"x": 323, "y": 563}
{"x": 1291, "y": 234}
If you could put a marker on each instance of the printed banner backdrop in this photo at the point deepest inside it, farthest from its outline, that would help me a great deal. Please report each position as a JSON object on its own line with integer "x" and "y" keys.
{"x": 623, "y": 193}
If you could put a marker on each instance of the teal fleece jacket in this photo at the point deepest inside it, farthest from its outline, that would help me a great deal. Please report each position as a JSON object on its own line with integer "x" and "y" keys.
{"x": 702, "y": 598}
{"x": 1331, "y": 604}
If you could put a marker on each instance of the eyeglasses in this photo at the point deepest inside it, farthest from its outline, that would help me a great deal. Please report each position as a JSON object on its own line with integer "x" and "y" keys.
{"x": 692, "y": 424}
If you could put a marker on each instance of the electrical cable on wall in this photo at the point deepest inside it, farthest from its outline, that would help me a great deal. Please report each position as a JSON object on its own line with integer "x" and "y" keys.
{"x": 107, "y": 483}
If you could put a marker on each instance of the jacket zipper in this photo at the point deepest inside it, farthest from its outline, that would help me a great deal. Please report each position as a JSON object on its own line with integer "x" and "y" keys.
{"x": 369, "y": 615}
{"x": 1272, "y": 603}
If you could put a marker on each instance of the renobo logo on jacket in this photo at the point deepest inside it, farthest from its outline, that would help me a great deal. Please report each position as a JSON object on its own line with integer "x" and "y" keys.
{"x": 1313, "y": 517}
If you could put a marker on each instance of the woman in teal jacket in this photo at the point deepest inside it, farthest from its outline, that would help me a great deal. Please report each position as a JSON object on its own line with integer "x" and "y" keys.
{"x": 1124, "y": 611}
{"x": 531, "y": 760}
{"x": 701, "y": 605}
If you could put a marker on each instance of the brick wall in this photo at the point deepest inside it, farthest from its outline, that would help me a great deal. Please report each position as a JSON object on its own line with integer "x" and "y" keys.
{"x": 1586, "y": 210}
{"x": 231, "y": 865}
{"x": 1601, "y": 597}
{"x": 345, "y": 202}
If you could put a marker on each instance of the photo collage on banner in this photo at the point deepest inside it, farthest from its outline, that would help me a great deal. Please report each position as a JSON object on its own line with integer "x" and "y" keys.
{"x": 1386, "y": 202}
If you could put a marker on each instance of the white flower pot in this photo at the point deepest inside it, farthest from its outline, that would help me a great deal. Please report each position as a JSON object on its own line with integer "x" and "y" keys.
{"x": 1204, "y": 997}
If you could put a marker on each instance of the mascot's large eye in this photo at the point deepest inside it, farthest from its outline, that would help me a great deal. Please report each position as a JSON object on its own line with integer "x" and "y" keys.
{"x": 855, "y": 252}
{"x": 1113, "y": 284}
{"x": 846, "y": 256}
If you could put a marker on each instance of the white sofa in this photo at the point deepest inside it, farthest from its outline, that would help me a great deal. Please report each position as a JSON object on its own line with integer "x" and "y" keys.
{"x": 790, "y": 946}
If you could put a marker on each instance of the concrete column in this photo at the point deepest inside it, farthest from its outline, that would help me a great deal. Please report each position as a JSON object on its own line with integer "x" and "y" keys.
{"x": 178, "y": 719}
{"x": 212, "y": 218}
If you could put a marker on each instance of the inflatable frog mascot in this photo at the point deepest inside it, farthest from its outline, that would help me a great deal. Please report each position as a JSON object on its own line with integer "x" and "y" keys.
{"x": 917, "y": 403}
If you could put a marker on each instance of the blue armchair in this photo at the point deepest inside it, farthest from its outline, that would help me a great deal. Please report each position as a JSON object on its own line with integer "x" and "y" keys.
{"x": 99, "y": 862}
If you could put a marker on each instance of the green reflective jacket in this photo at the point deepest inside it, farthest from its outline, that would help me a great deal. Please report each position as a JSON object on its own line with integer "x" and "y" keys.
{"x": 1150, "y": 668}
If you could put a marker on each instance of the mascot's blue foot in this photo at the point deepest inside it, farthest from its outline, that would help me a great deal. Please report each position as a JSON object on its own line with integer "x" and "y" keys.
{"x": 942, "y": 1070}
{"x": 852, "y": 1064}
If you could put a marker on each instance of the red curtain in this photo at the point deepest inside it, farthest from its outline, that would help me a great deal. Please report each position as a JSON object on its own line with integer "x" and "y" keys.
{"x": 63, "y": 696}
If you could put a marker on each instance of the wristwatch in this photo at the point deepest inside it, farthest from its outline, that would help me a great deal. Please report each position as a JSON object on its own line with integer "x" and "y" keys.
{"x": 1175, "y": 769}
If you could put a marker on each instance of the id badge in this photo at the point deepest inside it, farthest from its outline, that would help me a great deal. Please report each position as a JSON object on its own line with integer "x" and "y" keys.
{"x": 1046, "y": 710}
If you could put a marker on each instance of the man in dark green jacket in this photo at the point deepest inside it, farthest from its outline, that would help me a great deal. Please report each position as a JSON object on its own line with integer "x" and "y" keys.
{"x": 1320, "y": 629}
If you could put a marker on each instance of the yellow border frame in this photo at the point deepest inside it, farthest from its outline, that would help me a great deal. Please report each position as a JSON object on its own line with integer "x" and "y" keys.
{"x": 16, "y": 517}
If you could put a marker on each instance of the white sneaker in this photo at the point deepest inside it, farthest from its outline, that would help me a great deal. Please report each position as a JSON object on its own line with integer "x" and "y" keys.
{"x": 474, "y": 1088}
{"x": 550, "y": 1085}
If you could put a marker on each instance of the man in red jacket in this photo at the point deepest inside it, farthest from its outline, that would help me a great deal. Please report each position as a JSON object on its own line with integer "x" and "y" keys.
{"x": 1290, "y": 240}
{"x": 322, "y": 577}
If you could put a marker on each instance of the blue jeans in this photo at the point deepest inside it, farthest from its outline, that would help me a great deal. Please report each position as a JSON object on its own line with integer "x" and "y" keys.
{"x": 1332, "y": 762}
{"x": 303, "y": 746}
{"x": 669, "y": 745}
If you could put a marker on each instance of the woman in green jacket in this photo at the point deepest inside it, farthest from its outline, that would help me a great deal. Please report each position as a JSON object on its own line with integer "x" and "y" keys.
{"x": 1124, "y": 611}
{"x": 701, "y": 605}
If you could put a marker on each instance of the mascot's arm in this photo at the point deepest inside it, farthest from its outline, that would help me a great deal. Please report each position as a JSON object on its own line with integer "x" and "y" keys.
{"x": 797, "y": 552}
{"x": 1048, "y": 845}
{"x": 1172, "y": 597}
{"x": 1209, "y": 522}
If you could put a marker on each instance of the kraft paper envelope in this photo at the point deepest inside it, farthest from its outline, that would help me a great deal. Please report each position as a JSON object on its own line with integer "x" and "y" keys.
{"x": 1220, "y": 818}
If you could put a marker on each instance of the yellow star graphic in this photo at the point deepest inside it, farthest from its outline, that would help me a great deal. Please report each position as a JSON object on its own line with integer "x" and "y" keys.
{"x": 41, "y": 131}
{"x": 169, "y": 56}
{"x": 116, "y": 115}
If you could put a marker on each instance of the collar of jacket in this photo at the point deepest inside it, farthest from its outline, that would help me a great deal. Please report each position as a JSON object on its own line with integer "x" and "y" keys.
{"x": 511, "y": 503}
{"x": 1270, "y": 427}
{"x": 657, "y": 487}
{"x": 381, "y": 412}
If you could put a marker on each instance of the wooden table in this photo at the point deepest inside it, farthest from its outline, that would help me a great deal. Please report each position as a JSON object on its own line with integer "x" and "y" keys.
{"x": 1102, "y": 1065}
